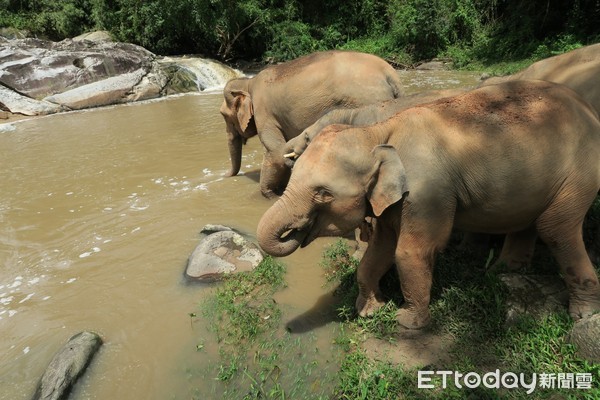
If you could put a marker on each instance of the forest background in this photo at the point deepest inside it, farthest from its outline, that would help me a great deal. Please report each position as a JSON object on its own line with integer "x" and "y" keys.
{"x": 472, "y": 33}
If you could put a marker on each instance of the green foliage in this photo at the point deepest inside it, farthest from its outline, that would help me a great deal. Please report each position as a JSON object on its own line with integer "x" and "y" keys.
{"x": 403, "y": 31}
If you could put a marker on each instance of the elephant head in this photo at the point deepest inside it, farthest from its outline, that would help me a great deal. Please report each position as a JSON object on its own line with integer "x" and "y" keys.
{"x": 331, "y": 190}
{"x": 238, "y": 112}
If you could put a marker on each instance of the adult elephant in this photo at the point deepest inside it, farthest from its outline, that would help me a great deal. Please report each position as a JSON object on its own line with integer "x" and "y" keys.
{"x": 578, "y": 69}
{"x": 281, "y": 101}
{"x": 507, "y": 158}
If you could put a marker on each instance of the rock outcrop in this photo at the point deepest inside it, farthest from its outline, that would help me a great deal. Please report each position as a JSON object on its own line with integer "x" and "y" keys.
{"x": 42, "y": 77}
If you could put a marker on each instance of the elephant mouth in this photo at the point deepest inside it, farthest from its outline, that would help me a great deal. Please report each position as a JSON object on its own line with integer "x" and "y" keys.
{"x": 300, "y": 235}
{"x": 303, "y": 235}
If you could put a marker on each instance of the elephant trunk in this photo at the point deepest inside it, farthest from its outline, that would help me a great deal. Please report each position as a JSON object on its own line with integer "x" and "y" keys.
{"x": 235, "y": 153}
{"x": 276, "y": 233}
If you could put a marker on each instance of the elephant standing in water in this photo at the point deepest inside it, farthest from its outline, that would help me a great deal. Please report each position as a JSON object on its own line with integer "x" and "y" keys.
{"x": 512, "y": 158}
{"x": 281, "y": 101}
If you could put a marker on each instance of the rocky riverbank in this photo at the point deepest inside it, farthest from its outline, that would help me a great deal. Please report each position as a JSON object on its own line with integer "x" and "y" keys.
{"x": 40, "y": 77}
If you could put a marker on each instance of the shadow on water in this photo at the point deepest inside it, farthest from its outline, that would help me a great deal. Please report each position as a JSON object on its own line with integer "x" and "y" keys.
{"x": 253, "y": 175}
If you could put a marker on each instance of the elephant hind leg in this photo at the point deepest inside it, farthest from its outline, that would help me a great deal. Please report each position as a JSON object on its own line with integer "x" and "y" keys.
{"x": 517, "y": 250}
{"x": 560, "y": 227}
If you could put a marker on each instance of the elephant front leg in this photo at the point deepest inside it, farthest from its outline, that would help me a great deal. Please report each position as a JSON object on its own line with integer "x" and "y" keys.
{"x": 274, "y": 176}
{"x": 415, "y": 254}
{"x": 377, "y": 260}
{"x": 415, "y": 273}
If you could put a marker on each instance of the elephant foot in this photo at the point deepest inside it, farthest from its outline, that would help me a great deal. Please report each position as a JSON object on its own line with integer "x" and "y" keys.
{"x": 411, "y": 318}
{"x": 583, "y": 306}
{"x": 367, "y": 306}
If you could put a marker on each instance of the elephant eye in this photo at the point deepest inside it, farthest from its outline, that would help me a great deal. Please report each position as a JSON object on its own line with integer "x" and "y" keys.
{"x": 322, "y": 195}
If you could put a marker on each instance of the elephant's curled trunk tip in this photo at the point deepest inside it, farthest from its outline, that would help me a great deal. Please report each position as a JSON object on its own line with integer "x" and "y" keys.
{"x": 275, "y": 237}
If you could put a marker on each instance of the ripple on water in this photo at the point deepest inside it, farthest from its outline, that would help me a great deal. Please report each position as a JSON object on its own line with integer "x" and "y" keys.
{"x": 16, "y": 292}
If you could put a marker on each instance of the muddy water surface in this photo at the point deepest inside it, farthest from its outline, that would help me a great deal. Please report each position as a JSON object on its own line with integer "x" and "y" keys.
{"x": 99, "y": 211}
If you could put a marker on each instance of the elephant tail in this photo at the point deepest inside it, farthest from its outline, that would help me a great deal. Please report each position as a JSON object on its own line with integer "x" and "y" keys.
{"x": 395, "y": 84}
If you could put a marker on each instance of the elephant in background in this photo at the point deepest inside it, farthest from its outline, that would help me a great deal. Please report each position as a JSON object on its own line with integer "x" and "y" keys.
{"x": 282, "y": 100}
{"x": 578, "y": 69}
{"x": 510, "y": 158}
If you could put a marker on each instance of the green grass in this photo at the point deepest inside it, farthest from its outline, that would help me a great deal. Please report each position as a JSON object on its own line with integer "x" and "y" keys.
{"x": 256, "y": 357}
{"x": 469, "y": 305}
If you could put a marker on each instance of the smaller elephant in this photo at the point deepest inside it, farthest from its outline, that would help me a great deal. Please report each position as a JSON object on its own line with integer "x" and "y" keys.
{"x": 361, "y": 116}
{"x": 514, "y": 158}
{"x": 282, "y": 100}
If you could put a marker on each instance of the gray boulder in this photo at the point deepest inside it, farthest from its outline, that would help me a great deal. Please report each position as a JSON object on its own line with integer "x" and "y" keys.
{"x": 40, "y": 68}
{"x": 113, "y": 90}
{"x": 533, "y": 295}
{"x": 16, "y": 103}
{"x": 43, "y": 77}
{"x": 222, "y": 252}
{"x": 96, "y": 36}
{"x": 585, "y": 334}
{"x": 67, "y": 366}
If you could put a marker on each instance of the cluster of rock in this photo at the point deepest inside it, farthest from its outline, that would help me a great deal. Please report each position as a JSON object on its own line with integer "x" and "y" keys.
{"x": 40, "y": 77}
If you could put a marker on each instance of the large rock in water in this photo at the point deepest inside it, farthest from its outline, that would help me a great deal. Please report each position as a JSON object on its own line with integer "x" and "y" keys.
{"x": 67, "y": 366}
{"x": 222, "y": 252}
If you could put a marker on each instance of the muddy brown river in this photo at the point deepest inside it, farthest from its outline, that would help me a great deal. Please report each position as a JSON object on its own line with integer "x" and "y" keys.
{"x": 99, "y": 211}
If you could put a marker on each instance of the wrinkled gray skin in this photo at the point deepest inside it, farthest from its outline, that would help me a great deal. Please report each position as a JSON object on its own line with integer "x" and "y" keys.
{"x": 578, "y": 69}
{"x": 513, "y": 158}
{"x": 281, "y": 101}
{"x": 360, "y": 116}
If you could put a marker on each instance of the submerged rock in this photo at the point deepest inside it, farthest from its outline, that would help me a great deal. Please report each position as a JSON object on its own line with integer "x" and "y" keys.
{"x": 67, "y": 366}
{"x": 222, "y": 252}
{"x": 585, "y": 334}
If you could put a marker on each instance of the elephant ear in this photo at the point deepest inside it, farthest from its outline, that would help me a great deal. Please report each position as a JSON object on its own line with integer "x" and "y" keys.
{"x": 388, "y": 181}
{"x": 244, "y": 108}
